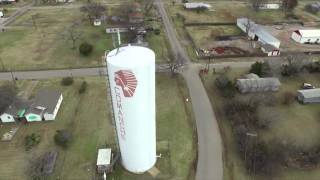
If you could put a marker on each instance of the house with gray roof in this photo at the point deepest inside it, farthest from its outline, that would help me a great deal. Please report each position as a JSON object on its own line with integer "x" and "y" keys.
{"x": 309, "y": 96}
{"x": 249, "y": 85}
{"x": 45, "y": 106}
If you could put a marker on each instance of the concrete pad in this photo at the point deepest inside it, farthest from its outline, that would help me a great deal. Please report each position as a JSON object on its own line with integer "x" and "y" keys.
{"x": 154, "y": 171}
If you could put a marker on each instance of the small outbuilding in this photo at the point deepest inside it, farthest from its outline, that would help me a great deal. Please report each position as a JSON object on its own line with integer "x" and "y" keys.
{"x": 196, "y": 5}
{"x": 1, "y": 14}
{"x": 258, "y": 85}
{"x": 15, "y": 111}
{"x": 270, "y": 50}
{"x": 309, "y": 96}
{"x": 104, "y": 160}
{"x": 268, "y": 4}
{"x": 307, "y": 36}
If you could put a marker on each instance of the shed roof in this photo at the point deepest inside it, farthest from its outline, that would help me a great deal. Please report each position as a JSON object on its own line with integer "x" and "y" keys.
{"x": 104, "y": 156}
{"x": 196, "y": 5}
{"x": 310, "y": 93}
{"x": 309, "y": 32}
{"x": 260, "y": 83}
{"x": 259, "y": 31}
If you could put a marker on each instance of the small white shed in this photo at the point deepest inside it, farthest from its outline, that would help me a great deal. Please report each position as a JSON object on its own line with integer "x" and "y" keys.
{"x": 306, "y": 36}
{"x": 104, "y": 160}
{"x": 1, "y": 14}
{"x": 196, "y": 5}
{"x": 309, "y": 96}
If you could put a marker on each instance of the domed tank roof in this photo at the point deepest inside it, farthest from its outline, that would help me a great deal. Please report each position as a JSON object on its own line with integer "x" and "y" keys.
{"x": 131, "y": 56}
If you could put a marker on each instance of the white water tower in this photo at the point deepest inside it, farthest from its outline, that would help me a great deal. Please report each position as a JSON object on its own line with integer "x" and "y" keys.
{"x": 131, "y": 71}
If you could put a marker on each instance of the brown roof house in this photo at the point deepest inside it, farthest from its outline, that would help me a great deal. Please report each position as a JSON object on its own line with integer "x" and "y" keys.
{"x": 135, "y": 15}
{"x": 45, "y": 106}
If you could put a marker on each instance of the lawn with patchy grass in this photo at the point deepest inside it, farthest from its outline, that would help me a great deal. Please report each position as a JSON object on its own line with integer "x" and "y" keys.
{"x": 88, "y": 117}
{"x": 175, "y": 133}
{"x": 296, "y": 122}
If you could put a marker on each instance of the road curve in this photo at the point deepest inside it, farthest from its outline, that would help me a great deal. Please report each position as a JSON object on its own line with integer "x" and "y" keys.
{"x": 210, "y": 163}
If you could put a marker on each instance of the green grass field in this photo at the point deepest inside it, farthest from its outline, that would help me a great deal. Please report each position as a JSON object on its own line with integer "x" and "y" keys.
{"x": 296, "y": 122}
{"x": 88, "y": 117}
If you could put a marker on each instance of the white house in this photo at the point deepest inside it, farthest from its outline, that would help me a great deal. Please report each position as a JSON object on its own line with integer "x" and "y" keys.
{"x": 257, "y": 32}
{"x": 14, "y": 111}
{"x": 306, "y": 36}
{"x": 196, "y": 5}
{"x": 45, "y": 106}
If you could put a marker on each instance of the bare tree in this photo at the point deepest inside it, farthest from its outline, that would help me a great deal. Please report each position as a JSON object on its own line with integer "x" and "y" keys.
{"x": 174, "y": 63}
{"x": 7, "y": 96}
{"x": 289, "y": 5}
{"x": 147, "y": 6}
{"x": 73, "y": 34}
{"x": 94, "y": 10}
{"x": 256, "y": 4}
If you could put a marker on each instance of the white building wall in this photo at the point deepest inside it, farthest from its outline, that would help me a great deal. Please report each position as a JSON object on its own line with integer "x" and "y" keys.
{"x": 296, "y": 37}
{"x": 5, "y": 118}
{"x": 50, "y": 117}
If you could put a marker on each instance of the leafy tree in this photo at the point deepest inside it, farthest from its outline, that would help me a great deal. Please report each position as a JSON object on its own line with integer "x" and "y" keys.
{"x": 262, "y": 69}
{"x": 85, "y": 49}
{"x": 31, "y": 141}
{"x": 288, "y": 98}
{"x": 225, "y": 86}
{"x": 63, "y": 138}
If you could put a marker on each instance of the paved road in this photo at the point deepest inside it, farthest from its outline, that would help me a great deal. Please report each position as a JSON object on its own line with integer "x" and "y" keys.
{"x": 210, "y": 164}
{"x": 99, "y": 71}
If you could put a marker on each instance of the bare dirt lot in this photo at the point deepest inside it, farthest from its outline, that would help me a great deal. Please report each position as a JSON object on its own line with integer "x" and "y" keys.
{"x": 283, "y": 33}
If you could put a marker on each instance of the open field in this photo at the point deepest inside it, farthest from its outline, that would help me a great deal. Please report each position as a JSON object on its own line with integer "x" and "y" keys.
{"x": 296, "y": 122}
{"x": 88, "y": 117}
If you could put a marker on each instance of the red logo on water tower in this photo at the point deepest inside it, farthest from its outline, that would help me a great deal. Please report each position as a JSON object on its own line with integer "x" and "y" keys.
{"x": 127, "y": 81}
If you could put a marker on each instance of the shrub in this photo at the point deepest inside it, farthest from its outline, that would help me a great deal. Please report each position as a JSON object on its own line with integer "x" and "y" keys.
{"x": 63, "y": 138}
{"x": 85, "y": 49}
{"x": 261, "y": 69}
{"x": 313, "y": 67}
{"x": 83, "y": 87}
{"x": 67, "y": 81}
{"x": 31, "y": 141}
{"x": 288, "y": 98}
{"x": 225, "y": 86}
{"x": 157, "y": 31}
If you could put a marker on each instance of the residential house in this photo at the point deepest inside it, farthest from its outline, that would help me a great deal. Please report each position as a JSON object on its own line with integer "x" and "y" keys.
{"x": 135, "y": 15}
{"x": 306, "y": 36}
{"x": 45, "y": 106}
{"x": 268, "y": 4}
{"x": 309, "y": 96}
{"x": 14, "y": 111}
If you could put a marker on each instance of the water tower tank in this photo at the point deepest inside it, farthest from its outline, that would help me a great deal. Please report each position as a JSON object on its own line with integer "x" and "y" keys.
{"x": 131, "y": 71}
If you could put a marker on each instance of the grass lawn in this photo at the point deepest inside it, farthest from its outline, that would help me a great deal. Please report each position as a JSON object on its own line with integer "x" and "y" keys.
{"x": 203, "y": 34}
{"x": 175, "y": 134}
{"x": 87, "y": 116}
{"x": 296, "y": 122}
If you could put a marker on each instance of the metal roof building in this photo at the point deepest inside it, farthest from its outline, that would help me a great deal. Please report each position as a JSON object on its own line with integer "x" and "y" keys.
{"x": 306, "y": 36}
{"x": 196, "y": 5}
{"x": 257, "y": 32}
{"x": 309, "y": 95}
{"x": 258, "y": 85}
